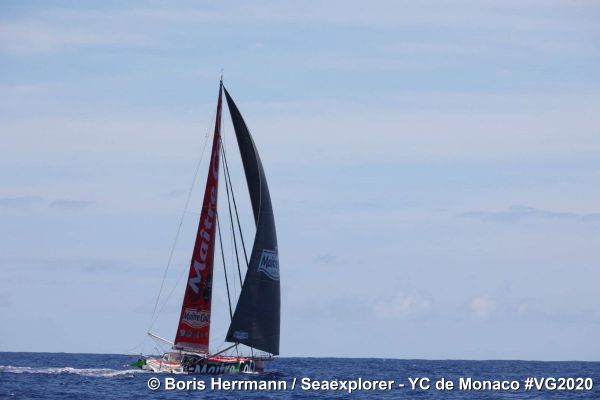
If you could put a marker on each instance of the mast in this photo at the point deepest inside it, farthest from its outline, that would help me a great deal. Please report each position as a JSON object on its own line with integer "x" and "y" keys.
{"x": 194, "y": 322}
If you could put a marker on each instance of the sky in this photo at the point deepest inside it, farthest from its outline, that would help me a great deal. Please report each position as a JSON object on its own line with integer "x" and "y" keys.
{"x": 433, "y": 168}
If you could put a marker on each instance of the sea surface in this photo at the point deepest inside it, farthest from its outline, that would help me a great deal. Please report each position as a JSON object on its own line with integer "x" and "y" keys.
{"x": 108, "y": 376}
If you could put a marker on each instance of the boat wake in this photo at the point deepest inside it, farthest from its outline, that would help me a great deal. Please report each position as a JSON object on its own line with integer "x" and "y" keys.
{"x": 97, "y": 372}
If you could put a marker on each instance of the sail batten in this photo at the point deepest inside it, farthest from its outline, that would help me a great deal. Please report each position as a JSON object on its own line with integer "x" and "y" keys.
{"x": 256, "y": 318}
{"x": 194, "y": 322}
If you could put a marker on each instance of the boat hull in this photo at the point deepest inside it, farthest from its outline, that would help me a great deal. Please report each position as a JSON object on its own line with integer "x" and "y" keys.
{"x": 194, "y": 364}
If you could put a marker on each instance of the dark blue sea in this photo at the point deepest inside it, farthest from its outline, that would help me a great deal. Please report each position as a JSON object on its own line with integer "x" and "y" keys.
{"x": 107, "y": 376}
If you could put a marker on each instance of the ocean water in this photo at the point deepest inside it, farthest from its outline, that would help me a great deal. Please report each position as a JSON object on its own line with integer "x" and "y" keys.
{"x": 107, "y": 376}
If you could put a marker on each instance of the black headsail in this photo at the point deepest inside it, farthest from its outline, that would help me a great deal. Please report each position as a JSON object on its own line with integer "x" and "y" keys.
{"x": 256, "y": 318}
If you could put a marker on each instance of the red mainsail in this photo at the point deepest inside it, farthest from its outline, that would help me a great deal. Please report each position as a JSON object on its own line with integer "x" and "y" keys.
{"x": 194, "y": 322}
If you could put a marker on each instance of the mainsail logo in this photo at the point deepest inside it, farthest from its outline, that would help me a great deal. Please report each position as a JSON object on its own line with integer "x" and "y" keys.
{"x": 241, "y": 335}
{"x": 207, "y": 230}
{"x": 269, "y": 264}
{"x": 196, "y": 318}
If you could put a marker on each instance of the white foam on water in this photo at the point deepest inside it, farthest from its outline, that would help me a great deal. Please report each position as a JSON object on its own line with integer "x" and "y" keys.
{"x": 100, "y": 372}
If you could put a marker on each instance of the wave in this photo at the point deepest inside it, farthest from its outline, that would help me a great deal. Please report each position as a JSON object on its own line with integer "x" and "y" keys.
{"x": 99, "y": 372}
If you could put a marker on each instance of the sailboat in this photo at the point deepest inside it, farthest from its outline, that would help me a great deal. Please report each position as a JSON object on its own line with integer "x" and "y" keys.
{"x": 255, "y": 322}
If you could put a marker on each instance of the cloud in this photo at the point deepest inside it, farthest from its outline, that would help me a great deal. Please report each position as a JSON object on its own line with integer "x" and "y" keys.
{"x": 175, "y": 193}
{"x": 433, "y": 127}
{"x": 530, "y": 309}
{"x": 329, "y": 258}
{"x": 402, "y": 305}
{"x": 504, "y": 306}
{"x": 506, "y": 14}
{"x": 62, "y": 28}
{"x": 453, "y": 133}
{"x": 592, "y": 217}
{"x": 326, "y": 258}
{"x": 482, "y": 306}
{"x": 522, "y": 213}
{"x": 31, "y": 36}
{"x": 30, "y": 203}
{"x": 5, "y": 300}
{"x": 21, "y": 202}
{"x": 343, "y": 307}
{"x": 70, "y": 205}
{"x": 85, "y": 265}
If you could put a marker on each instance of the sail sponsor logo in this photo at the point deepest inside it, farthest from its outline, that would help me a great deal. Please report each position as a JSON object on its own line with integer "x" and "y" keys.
{"x": 241, "y": 335}
{"x": 196, "y": 318}
{"x": 269, "y": 264}
{"x": 223, "y": 368}
{"x": 205, "y": 241}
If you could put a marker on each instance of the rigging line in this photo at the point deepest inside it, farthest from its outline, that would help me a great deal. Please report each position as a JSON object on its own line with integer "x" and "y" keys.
{"x": 224, "y": 268}
{"x": 181, "y": 274}
{"x": 224, "y": 350}
{"x": 232, "y": 226}
{"x": 223, "y": 139}
{"x": 172, "y": 251}
{"x": 223, "y": 136}
{"x": 258, "y": 165}
{"x": 235, "y": 292}
{"x": 227, "y": 186}
{"x": 237, "y": 216}
{"x": 179, "y": 278}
